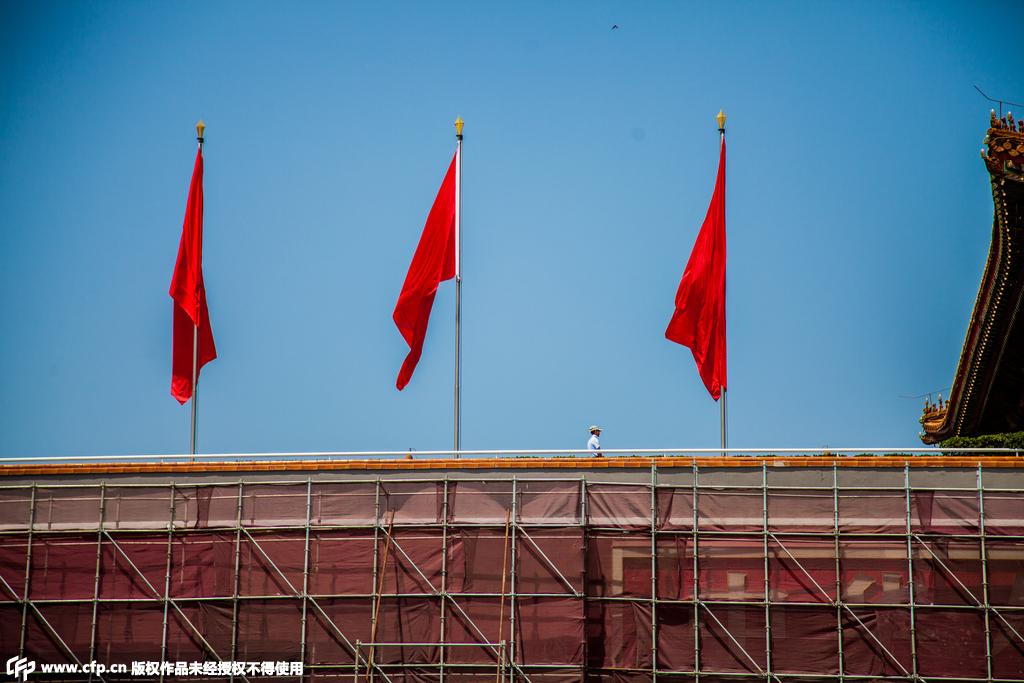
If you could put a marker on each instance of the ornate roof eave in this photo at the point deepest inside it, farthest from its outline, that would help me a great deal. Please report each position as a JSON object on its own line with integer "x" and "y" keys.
{"x": 999, "y": 297}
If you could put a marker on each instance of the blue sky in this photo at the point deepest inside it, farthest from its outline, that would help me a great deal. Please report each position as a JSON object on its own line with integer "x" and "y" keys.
{"x": 859, "y": 217}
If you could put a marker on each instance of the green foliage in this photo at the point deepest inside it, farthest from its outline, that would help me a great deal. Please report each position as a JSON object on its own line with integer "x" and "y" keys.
{"x": 1007, "y": 440}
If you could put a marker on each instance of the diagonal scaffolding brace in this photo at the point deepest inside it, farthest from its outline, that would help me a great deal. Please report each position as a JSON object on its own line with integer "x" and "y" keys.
{"x": 551, "y": 565}
{"x": 165, "y": 598}
{"x": 746, "y": 654}
{"x": 437, "y": 593}
{"x": 847, "y": 608}
{"x": 316, "y": 606}
{"x": 967, "y": 590}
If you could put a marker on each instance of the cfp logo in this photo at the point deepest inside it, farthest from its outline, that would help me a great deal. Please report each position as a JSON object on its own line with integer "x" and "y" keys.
{"x": 20, "y": 667}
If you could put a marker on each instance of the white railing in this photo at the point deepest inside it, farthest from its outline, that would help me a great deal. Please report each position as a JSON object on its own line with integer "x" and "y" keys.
{"x": 525, "y": 453}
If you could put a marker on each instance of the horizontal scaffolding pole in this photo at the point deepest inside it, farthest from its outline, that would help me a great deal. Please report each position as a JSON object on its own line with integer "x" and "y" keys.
{"x": 521, "y": 594}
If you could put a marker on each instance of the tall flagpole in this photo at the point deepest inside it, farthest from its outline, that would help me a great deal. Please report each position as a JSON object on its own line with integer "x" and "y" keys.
{"x": 458, "y": 284}
{"x": 200, "y": 127}
{"x": 723, "y": 416}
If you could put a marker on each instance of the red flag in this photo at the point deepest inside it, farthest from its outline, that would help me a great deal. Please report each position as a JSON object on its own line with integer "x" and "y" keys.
{"x": 433, "y": 262}
{"x": 189, "y": 294}
{"x": 699, "y": 318}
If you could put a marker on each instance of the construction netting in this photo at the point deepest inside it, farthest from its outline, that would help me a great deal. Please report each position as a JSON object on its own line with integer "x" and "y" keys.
{"x": 518, "y": 578}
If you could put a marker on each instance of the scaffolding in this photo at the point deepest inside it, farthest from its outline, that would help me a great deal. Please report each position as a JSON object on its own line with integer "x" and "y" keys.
{"x": 680, "y": 573}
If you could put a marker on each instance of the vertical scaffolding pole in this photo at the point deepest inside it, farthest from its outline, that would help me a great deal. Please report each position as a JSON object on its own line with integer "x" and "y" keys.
{"x": 839, "y": 595}
{"x": 378, "y": 595}
{"x": 379, "y": 591}
{"x": 654, "y": 571}
{"x": 767, "y": 593}
{"x": 28, "y": 570}
{"x": 984, "y": 574}
{"x": 96, "y": 577}
{"x": 167, "y": 576}
{"x": 501, "y": 603}
{"x": 910, "y": 572}
{"x": 238, "y": 571}
{"x": 585, "y": 573}
{"x": 376, "y": 576}
{"x": 696, "y": 582}
{"x": 305, "y": 570}
{"x": 444, "y": 576}
{"x": 513, "y": 651}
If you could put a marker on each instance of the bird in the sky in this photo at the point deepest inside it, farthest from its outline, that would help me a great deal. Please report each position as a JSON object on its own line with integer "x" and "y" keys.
{"x": 614, "y": 26}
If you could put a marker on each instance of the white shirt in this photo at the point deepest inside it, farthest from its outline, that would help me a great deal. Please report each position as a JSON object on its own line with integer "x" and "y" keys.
{"x": 593, "y": 444}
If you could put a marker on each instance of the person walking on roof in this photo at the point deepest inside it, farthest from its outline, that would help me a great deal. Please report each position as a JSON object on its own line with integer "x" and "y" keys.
{"x": 594, "y": 442}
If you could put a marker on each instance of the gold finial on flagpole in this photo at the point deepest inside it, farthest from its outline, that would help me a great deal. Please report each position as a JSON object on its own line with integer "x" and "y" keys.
{"x": 200, "y": 127}
{"x": 721, "y": 120}
{"x": 458, "y": 127}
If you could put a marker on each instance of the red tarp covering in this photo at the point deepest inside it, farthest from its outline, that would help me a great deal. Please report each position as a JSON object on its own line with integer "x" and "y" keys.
{"x": 805, "y": 640}
{"x": 577, "y": 588}
{"x": 877, "y": 641}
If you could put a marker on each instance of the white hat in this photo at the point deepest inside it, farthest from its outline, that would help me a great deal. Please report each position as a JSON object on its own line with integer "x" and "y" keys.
{"x": 594, "y": 428}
